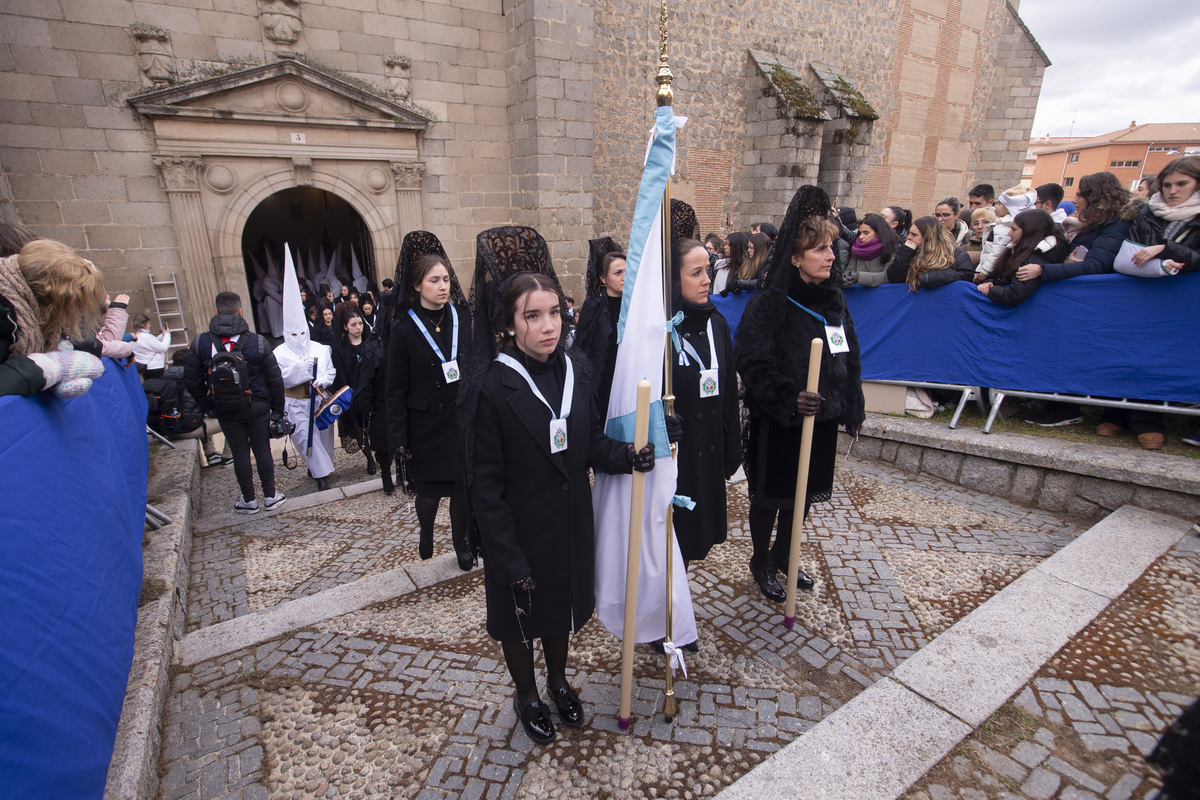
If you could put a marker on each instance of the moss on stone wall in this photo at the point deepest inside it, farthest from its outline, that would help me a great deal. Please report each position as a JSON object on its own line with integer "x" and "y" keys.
{"x": 798, "y": 97}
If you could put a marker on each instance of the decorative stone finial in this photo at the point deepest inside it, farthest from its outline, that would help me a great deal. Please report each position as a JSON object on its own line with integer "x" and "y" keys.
{"x": 399, "y": 87}
{"x": 155, "y": 55}
{"x": 281, "y": 20}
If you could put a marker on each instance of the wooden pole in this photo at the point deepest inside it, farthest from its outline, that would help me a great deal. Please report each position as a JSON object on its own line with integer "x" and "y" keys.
{"x": 806, "y": 436}
{"x": 641, "y": 431}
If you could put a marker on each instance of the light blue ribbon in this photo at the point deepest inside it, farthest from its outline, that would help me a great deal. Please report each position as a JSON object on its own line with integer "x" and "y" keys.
{"x": 676, "y": 339}
{"x": 683, "y": 501}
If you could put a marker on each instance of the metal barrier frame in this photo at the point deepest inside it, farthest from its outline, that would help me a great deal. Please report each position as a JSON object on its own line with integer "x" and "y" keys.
{"x": 968, "y": 393}
{"x": 1163, "y": 406}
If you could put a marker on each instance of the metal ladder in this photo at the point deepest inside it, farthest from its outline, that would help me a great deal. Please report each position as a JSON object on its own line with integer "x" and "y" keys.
{"x": 157, "y": 286}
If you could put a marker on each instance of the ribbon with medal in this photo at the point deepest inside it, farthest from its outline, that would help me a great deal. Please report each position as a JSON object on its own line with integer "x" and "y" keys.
{"x": 558, "y": 422}
{"x": 710, "y": 383}
{"x": 450, "y": 365}
{"x": 835, "y": 335}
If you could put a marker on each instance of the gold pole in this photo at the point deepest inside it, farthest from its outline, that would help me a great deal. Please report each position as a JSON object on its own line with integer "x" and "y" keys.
{"x": 665, "y": 97}
{"x": 641, "y": 426}
{"x": 806, "y": 437}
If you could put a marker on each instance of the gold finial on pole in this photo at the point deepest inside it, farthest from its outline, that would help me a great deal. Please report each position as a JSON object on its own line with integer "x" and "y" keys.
{"x": 665, "y": 95}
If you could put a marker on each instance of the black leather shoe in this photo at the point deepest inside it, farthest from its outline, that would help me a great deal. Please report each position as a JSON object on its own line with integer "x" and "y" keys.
{"x": 693, "y": 647}
{"x": 322, "y": 484}
{"x": 768, "y": 583}
{"x": 465, "y": 561}
{"x": 536, "y": 721}
{"x": 570, "y": 710}
{"x": 803, "y": 579}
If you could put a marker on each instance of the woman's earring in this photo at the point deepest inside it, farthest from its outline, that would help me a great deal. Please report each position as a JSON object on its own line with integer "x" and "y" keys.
{"x": 510, "y": 333}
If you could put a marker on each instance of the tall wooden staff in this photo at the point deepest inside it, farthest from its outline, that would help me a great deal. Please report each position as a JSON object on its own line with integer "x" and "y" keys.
{"x": 806, "y": 437}
{"x": 665, "y": 97}
{"x": 641, "y": 431}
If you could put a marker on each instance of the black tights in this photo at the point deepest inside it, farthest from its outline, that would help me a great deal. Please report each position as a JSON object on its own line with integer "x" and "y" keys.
{"x": 519, "y": 657}
{"x": 427, "y": 508}
{"x": 761, "y": 522}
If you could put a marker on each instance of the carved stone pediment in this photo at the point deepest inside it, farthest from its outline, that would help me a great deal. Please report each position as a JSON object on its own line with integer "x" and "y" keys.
{"x": 284, "y": 91}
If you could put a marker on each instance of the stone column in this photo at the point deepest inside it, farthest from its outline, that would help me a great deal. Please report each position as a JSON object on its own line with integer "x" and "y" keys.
{"x": 407, "y": 177}
{"x": 550, "y": 63}
{"x": 181, "y": 176}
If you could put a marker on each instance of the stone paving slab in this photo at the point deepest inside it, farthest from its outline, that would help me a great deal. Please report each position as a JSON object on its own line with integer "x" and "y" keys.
{"x": 1083, "y": 725}
{"x": 408, "y": 697}
{"x": 889, "y": 736}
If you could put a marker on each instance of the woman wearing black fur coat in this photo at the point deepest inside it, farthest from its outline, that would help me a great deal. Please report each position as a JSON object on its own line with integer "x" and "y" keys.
{"x": 774, "y": 336}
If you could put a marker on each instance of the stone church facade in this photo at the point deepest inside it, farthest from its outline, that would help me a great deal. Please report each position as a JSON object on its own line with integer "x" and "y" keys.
{"x": 162, "y": 136}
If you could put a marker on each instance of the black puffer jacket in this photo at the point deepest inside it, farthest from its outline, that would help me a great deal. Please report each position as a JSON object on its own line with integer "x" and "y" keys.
{"x": 772, "y": 354}
{"x": 897, "y": 271}
{"x": 266, "y": 382}
{"x": 1184, "y": 244}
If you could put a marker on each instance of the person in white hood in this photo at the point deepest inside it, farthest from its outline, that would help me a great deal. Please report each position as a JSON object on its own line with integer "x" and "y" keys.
{"x": 298, "y": 359}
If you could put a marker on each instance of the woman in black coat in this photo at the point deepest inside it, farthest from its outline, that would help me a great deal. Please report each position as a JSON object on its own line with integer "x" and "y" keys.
{"x": 1035, "y": 239}
{"x": 710, "y": 450}
{"x": 431, "y": 330}
{"x": 929, "y": 258}
{"x": 772, "y": 358}
{"x": 596, "y": 331}
{"x": 360, "y": 362}
{"x": 532, "y": 496}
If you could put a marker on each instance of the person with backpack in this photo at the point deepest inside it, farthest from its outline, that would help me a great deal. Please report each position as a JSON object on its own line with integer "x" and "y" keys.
{"x": 233, "y": 372}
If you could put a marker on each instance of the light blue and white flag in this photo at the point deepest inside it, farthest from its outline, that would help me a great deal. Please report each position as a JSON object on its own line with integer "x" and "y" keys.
{"x": 641, "y": 333}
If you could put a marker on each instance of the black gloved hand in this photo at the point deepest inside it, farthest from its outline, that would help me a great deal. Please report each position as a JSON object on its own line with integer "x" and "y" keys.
{"x": 526, "y": 584}
{"x": 641, "y": 460}
{"x": 403, "y": 453}
{"x": 808, "y": 403}
{"x": 849, "y": 278}
{"x": 674, "y": 429}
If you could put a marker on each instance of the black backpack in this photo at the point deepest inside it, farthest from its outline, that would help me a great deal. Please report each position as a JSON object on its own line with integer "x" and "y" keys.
{"x": 163, "y": 396}
{"x": 229, "y": 377}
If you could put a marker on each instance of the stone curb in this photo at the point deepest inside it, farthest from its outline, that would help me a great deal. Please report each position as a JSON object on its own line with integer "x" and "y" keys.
{"x": 133, "y": 770}
{"x": 1081, "y": 479}
{"x": 263, "y": 626}
{"x": 887, "y": 737}
{"x": 294, "y": 503}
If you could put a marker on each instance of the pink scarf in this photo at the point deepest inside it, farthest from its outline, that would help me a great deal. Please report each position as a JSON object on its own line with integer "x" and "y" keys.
{"x": 867, "y": 251}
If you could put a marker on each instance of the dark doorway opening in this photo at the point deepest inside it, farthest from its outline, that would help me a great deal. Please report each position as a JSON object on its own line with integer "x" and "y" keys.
{"x": 330, "y": 245}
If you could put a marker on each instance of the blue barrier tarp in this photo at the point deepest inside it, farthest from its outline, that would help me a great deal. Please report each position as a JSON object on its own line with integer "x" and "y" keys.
{"x": 1100, "y": 335}
{"x": 72, "y": 501}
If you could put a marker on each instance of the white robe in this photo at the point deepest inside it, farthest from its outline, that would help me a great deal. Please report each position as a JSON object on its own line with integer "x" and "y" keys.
{"x": 297, "y": 372}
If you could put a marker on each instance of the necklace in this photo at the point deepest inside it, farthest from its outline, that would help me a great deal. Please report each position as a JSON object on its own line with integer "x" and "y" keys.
{"x": 437, "y": 326}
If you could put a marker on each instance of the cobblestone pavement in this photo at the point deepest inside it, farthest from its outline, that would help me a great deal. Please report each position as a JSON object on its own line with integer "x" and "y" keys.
{"x": 1081, "y": 729}
{"x": 410, "y": 698}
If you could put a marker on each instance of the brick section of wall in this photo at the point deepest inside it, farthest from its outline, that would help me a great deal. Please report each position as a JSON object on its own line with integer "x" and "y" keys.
{"x": 712, "y": 174}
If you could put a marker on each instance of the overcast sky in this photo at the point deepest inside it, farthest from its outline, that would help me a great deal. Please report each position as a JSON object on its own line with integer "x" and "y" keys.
{"x": 1115, "y": 61}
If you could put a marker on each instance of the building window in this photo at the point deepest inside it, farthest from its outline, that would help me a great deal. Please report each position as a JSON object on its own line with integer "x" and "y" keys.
{"x": 1126, "y": 164}
{"x": 1073, "y": 158}
{"x": 1069, "y": 181}
{"x": 1166, "y": 149}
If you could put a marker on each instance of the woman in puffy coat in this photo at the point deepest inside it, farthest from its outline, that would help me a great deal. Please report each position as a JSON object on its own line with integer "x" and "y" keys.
{"x": 772, "y": 359}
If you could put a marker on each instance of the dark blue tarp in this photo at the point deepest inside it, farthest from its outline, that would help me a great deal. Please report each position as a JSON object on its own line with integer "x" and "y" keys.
{"x": 732, "y": 306}
{"x": 1101, "y": 335}
{"x": 72, "y": 505}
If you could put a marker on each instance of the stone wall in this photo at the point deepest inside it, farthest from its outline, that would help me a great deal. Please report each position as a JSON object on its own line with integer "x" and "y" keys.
{"x": 718, "y": 88}
{"x": 78, "y": 158}
{"x": 1015, "y": 85}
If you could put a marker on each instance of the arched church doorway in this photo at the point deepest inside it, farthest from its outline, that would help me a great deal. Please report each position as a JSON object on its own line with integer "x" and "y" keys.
{"x": 330, "y": 246}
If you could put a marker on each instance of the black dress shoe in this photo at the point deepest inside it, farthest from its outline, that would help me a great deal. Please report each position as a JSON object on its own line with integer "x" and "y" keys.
{"x": 768, "y": 583}
{"x": 570, "y": 710}
{"x": 803, "y": 579}
{"x": 322, "y": 484}
{"x": 465, "y": 561}
{"x": 693, "y": 647}
{"x": 536, "y": 721}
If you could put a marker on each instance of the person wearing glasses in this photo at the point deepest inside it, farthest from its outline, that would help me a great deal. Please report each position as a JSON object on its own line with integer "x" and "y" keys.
{"x": 947, "y": 214}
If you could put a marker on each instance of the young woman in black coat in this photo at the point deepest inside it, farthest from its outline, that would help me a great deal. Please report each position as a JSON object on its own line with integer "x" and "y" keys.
{"x": 707, "y": 404}
{"x": 929, "y": 258}
{"x": 596, "y": 331}
{"x": 532, "y": 496}
{"x": 423, "y": 379}
{"x": 360, "y": 362}
{"x": 772, "y": 358}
